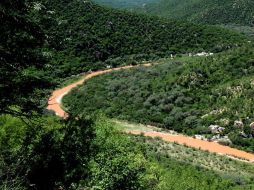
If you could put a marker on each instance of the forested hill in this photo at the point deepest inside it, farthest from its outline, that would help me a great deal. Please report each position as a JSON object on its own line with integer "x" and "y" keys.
{"x": 85, "y": 35}
{"x": 206, "y": 11}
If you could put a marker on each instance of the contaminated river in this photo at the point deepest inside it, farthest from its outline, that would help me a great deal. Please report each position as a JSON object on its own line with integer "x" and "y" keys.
{"x": 54, "y": 104}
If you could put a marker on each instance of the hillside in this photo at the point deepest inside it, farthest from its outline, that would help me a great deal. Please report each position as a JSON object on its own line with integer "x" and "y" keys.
{"x": 205, "y": 11}
{"x": 53, "y": 42}
{"x": 86, "y": 36}
{"x": 189, "y": 95}
{"x": 79, "y": 153}
{"x": 124, "y": 3}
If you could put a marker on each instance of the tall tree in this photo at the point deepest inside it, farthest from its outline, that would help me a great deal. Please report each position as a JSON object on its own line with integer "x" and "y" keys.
{"x": 22, "y": 67}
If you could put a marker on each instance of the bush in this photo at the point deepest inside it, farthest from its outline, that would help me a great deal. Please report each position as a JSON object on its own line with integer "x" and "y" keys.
{"x": 47, "y": 154}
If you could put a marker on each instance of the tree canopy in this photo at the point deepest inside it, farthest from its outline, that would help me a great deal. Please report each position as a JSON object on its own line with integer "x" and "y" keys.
{"x": 204, "y": 11}
{"x": 83, "y": 35}
{"x": 22, "y": 75}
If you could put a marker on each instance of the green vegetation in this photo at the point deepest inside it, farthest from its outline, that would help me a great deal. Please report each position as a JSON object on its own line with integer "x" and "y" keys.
{"x": 171, "y": 154}
{"x": 23, "y": 76}
{"x": 186, "y": 96}
{"x": 237, "y": 16}
{"x": 246, "y": 30}
{"x": 80, "y": 154}
{"x": 42, "y": 42}
{"x": 223, "y": 165}
{"x": 69, "y": 155}
{"x": 205, "y": 11}
{"x": 83, "y": 36}
{"x": 124, "y": 3}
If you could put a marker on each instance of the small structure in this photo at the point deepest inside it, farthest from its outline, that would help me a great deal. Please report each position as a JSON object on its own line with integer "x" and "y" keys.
{"x": 216, "y": 129}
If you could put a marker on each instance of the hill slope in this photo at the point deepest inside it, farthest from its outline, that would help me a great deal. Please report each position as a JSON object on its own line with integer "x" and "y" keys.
{"x": 124, "y": 3}
{"x": 206, "y": 11}
{"x": 187, "y": 95}
{"x": 84, "y": 35}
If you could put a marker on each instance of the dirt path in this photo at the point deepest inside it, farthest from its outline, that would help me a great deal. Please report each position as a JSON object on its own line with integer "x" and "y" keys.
{"x": 54, "y": 104}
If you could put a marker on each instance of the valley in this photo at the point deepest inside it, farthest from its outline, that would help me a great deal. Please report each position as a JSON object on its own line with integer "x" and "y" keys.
{"x": 55, "y": 105}
{"x": 126, "y": 95}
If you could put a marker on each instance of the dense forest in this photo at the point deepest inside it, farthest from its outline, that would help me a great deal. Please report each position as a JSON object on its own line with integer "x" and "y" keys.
{"x": 186, "y": 95}
{"x": 83, "y": 36}
{"x": 205, "y": 11}
{"x": 42, "y": 42}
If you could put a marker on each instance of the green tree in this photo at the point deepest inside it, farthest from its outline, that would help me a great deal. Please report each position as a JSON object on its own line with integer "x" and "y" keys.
{"x": 22, "y": 75}
{"x": 57, "y": 155}
{"x": 119, "y": 162}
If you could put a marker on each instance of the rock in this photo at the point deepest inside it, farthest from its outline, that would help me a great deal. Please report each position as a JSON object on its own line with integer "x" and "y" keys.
{"x": 243, "y": 134}
{"x": 252, "y": 125}
{"x": 215, "y": 137}
{"x": 216, "y": 129}
{"x": 200, "y": 137}
{"x": 221, "y": 139}
{"x": 221, "y": 129}
{"x": 224, "y": 140}
{"x": 238, "y": 124}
